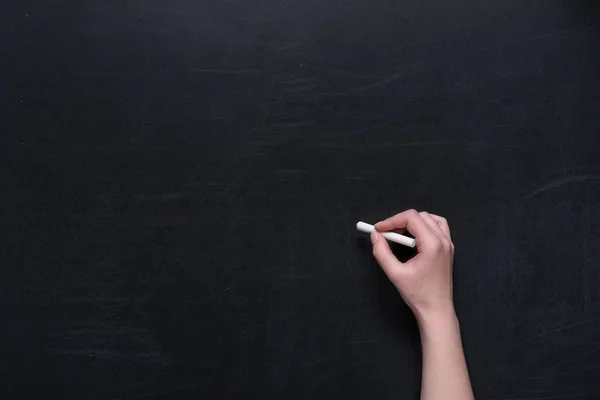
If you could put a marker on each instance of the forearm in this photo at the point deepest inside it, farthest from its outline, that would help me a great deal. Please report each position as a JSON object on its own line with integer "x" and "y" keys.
{"x": 445, "y": 374}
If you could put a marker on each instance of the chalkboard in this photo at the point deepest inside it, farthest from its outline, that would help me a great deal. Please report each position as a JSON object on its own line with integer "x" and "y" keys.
{"x": 181, "y": 182}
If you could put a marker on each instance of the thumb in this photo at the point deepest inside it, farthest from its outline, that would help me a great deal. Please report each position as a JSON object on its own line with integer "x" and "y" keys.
{"x": 384, "y": 256}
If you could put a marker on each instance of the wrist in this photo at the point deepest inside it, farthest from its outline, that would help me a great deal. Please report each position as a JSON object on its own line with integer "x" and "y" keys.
{"x": 435, "y": 320}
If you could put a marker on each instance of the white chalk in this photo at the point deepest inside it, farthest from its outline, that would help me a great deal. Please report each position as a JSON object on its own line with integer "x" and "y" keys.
{"x": 391, "y": 236}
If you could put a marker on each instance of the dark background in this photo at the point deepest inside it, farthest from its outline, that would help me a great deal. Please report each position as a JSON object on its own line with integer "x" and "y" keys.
{"x": 180, "y": 182}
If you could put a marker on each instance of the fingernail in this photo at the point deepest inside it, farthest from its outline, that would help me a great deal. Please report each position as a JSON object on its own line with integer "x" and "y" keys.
{"x": 374, "y": 237}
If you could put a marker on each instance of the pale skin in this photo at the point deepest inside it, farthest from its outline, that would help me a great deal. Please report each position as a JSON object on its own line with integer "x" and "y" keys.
{"x": 425, "y": 284}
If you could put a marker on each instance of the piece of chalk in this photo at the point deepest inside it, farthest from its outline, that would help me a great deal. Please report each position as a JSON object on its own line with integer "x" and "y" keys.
{"x": 391, "y": 236}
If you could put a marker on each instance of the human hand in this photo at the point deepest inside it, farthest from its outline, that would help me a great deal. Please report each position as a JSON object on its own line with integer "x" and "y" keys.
{"x": 424, "y": 281}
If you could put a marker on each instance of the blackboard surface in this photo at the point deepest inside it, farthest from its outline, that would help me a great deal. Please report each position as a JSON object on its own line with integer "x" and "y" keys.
{"x": 180, "y": 182}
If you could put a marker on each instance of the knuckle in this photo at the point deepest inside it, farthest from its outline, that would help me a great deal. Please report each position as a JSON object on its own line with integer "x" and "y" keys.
{"x": 446, "y": 245}
{"x": 412, "y": 212}
{"x": 436, "y": 245}
{"x": 376, "y": 251}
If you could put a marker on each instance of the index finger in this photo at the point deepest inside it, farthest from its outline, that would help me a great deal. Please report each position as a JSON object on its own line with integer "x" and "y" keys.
{"x": 411, "y": 220}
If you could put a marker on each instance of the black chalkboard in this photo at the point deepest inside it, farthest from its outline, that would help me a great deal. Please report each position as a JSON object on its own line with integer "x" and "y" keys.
{"x": 180, "y": 182}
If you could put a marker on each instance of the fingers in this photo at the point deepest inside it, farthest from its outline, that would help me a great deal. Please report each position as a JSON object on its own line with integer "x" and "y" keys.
{"x": 445, "y": 241}
{"x": 443, "y": 224}
{"x": 431, "y": 231}
{"x": 384, "y": 256}
{"x": 412, "y": 221}
{"x": 432, "y": 223}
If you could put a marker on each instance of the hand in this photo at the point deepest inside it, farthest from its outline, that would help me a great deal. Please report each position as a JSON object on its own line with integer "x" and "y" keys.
{"x": 425, "y": 281}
